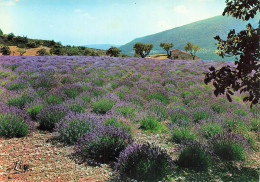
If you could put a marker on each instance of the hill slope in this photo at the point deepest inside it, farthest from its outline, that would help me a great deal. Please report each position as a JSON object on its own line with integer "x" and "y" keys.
{"x": 101, "y": 46}
{"x": 200, "y": 33}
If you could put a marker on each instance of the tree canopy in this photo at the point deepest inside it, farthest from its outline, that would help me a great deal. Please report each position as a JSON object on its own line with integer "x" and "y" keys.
{"x": 142, "y": 49}
{"x": 245, "y": 46}
{"x": 166, "y": 47}
{"x": 192, "y": 49}
{"x": 5, "y": 50}
{"x": 1, "y": 32}
{"x": 113, "y": 51}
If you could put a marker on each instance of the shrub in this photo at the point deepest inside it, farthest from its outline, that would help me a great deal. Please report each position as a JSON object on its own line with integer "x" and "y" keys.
{"x": 201, "y": 114}
{"x": 185, "y": 93}
{"x": 34, "y": 110}
{"x": 74, "y": 125}
{"x": 158, "y": 96}
{"x": 158, "y": 108}
{"x": 180, "y": 135}
{"x": 103, "y": 144}
{"x": 54, "y": 99}
{"x": 230, "y": 146}
{"x": 240, "y": 112}
{"x": 127, "y": 111}
{"x": 178, "y": 115}
{"x": 98, "y": 82}
{"x": 16, "y": 86}
{"x": 116, "y": 122}
{"x": 86, "y": 98}
{"x": 151, "y": 123}
{"x": 67, "y": 79}
{"x": 72, "y": 91}
{"x": 210, "y": 129}
{"x": 194, "y": 156}
{"x": 12, "y": 126}
{"x": 19, "y": 101}
{"x": 51, "y": 115}
{"x": 144, "y": 162}
{"x": 102, "y": 106}
{"x": 218, "y": 108}
{"x": 45, "y": 81}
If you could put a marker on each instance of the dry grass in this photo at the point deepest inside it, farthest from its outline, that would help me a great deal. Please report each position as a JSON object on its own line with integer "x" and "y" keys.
{"x": 159, "y": 56}
{"x": 29, "y": 52}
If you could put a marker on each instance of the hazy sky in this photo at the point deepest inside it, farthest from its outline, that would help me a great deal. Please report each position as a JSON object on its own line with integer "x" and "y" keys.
{"x": 81, "y": 22}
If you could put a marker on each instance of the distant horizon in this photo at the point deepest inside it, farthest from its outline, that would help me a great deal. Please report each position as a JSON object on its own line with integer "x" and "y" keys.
{"x": 86, "y": 22}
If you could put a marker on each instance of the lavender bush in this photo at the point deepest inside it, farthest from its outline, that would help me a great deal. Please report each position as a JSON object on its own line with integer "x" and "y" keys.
{"x": 74, "y": 125}
{"x": 103, "y": 144}
{"x": 144, "y": 161}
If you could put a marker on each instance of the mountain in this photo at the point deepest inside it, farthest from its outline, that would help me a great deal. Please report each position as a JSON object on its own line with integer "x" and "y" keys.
{"x": 200, "y": 33}
{"x": 101, "y": 46}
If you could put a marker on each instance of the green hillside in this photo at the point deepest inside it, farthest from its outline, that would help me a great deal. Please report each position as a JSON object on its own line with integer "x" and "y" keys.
{"x": 200, "y": 33}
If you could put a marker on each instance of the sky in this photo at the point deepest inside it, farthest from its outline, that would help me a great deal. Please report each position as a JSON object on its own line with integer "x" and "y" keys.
{"x": 83, "y": 22}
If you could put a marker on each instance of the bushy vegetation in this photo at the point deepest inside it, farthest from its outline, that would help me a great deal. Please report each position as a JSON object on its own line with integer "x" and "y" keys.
{"x": 99, "y": 104}
{"x": 143, "y": 161}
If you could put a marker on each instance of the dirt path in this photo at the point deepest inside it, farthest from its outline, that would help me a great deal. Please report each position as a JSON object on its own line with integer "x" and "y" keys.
{"x": 35, "y": 158}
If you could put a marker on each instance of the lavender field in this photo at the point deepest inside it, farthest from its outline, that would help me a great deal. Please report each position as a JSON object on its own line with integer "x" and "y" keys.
{"x": 147, "y": 119}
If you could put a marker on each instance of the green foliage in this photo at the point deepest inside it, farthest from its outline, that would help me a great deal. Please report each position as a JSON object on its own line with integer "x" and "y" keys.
{"x": 127, "y": 111}
{"x": 99, "y": 82}
{"x": 16, "y": 86}
{"x": 166, "y": 47}
{"x": 195, "y": 157}
{"x": 113, "y": 51}
{"x": 34, "y": 110}
{"x": 21, "y": 51}
{"x": 54, "y": 99}
{"x": 210, "y": 129}
{"x": 201, "y": 115}
{"x": 180, "y": 135}
{"x": 229, "y": 151}
{"x": 245, "y": 46}
{"x": 218, "y": 108}
{"x": 102, "y": 106}
{"x": 240, "y": 112}
{"x": 158, "y": 96}
{"x": 12, "y": 126}
{"x": 142, "y": 49}
{"x": 19, "y": 101}
{"x": 42, "y": 52}
{"x": 116, "y": 122}
{"x": 72, "y": 92}
{"x": 192, "y": 49}
{"x": 86, "y": 98}
{"x": 5, "y": 50}
{"x": 151, "y": 123}
{"x": 1, "y": 32}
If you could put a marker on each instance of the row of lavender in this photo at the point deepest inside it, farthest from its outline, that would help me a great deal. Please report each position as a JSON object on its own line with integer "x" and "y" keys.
{"x": 96, "y": 102}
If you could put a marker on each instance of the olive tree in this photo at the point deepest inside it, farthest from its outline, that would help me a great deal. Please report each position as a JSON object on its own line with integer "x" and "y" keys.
{"x": 192, "y": 49}
{"x": 166, "y": 47}
{"x": 113, "y": 51}
{"x": 142, "y": 49}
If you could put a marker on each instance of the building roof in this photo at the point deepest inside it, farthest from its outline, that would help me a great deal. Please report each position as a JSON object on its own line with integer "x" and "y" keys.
{"x": 178, "y": 50}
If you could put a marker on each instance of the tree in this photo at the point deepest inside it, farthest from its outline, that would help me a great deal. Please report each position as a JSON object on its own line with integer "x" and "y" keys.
{"x": 87, "y": 51}
{"x": 113, "y": 51}
{"x": 21, "y": 51}
{"x": 10, "y": 36}
{"x": 166, "y": 47}
{"x": 142, "y": 49}
{"x": 192, "y": 49}
{"x": 42, "y": 52}
{"x": 1, "y": 32}
{"x": 5, "y": 51}
{"x": 244, "y": 77}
